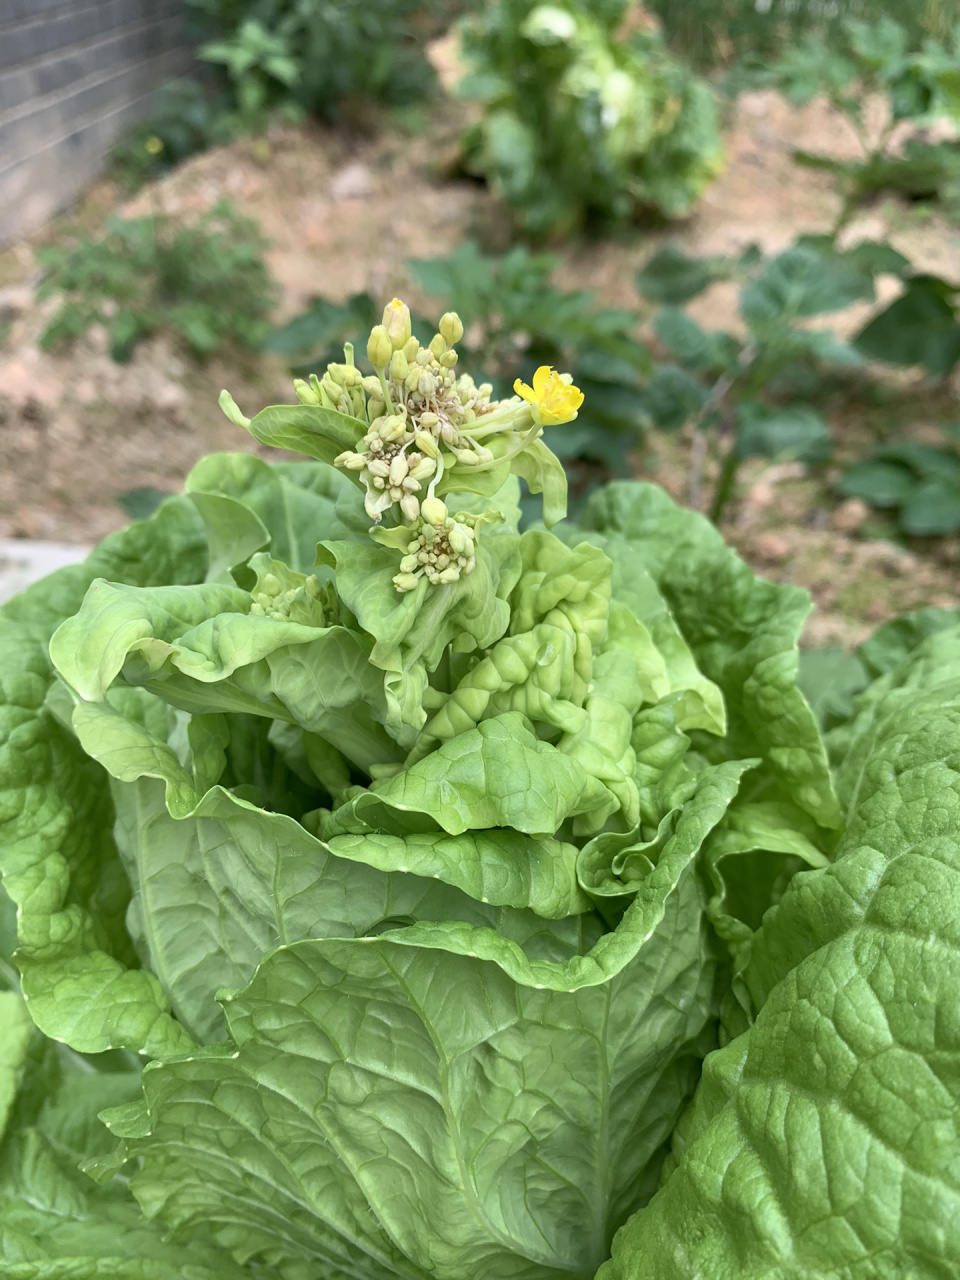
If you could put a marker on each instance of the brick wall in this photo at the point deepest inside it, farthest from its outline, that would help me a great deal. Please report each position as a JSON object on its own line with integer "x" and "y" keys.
{"x": 73, "y": 75}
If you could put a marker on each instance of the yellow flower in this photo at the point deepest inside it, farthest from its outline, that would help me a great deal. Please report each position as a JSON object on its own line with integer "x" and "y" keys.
{"x": 154, "y": 145}
{"x": 554, "y": 397}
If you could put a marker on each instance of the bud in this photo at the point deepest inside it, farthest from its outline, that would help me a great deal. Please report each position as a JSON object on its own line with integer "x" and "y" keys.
{"x": 412, "y": 380}
{"x": 428, "y": 420}
{"x": 352, "y": 461}
{"x": 409, "y": 564}
{"x": 451, "y": 326}
{"x": 467, "y": 457}
{"x": 405, "y": 581}
{"x": 424, "y": 357}
{"x": 424, "y": 468}
{"x": 399, "y": 368}
{"x": 377, "y": 467}
{"x": 371, "y": 385}
{"x": 396, "y": 323}
{"x": 271, "y": 585}
{"x": 427, "y": 384}
{"x": 312, "y": 586}
{"x": 398, "y": 469}
{"x": 437, "y": 346}
{"x": 449, "y": 575}
{"x": 449, "y": 359}
{"x": 461, "y": 540}
{"x": 409, "y": 485}
{"x": 410, "y": 508}
{"x": 433, "y": 511}
{"x": 425, "y": 441}
{"x": 379, "y": 347}
{"x": 375, "y": 408}
{"x": 483, "y": 454}
{"x": 394, "y": 429}
{"x": 305, "y": 393}
{"x": 410, "y": 348}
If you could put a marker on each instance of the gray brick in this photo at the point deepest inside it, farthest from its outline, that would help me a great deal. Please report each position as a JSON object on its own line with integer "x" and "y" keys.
{"x": 73, "y": 75}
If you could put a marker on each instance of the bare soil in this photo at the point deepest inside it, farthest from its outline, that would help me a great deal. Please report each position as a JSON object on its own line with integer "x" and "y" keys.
{"x": 344, "y": 214}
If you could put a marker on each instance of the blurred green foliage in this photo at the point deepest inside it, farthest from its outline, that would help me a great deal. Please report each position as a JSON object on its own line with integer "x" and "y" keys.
{"x": 187, "y": 116}
{"x": 325, "y": 56}
{"x": 584, "y": 120}
{"x": 206, "y": 282}
{"x": 715, "y": 33}
{"x": 920, "y": 83}
{"x": 919, "y": 484}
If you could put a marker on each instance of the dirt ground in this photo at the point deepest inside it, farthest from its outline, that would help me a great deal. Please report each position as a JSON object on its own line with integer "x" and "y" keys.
{"x": 344, "y": 214}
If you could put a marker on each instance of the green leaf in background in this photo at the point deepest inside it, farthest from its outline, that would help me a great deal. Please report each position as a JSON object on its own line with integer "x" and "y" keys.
{"x": 829, "y": 678}
{"x": 800, "y": 283}
{"x": 672, "y": 277}
{"x": 794, "y": 431}
{"x": 918, "y": 328}
{"x": 882, "y": 484}
{"x": 822, "y": 1141}
{"x": 932, "y": 509}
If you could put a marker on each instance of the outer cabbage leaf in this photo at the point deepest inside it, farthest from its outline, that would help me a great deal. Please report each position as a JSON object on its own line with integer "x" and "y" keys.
{"x": 55, "y": 1224}
{"x": 217, "y": 881}
{"x": 823, "y": 1140}
{"x": 743, "y": 632}
{"x": 57, "y": 856}
{"x": 434, "y": 1102}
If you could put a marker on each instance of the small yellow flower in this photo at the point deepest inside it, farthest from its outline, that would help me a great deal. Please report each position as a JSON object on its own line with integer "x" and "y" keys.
{"x": 153, "y": 145}
{"x": 554, "y": 397}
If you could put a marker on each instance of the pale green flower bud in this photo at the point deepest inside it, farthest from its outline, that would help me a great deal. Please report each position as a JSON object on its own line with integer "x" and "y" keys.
{"x": 425, "y": 442}
{"x": 423, "y": 470}
{"x": 450, "y": 574}
{"x": 433, "y": 511}
{"x": 485, "y": 390}
{"x": 352, "y": 461}
{"x": 378, "y": 467}
{"x": 399, "y": 368}
{"x": 409, "y": 564}
{"x": 371, "y": 385}
{"x": 271, "y": 585}
{"x": 405, "y": 581}
{"x": 410, "y": 507}
{"x": 374, "y": 409}
{"x": 437, "y": 346}
{"x": 467, "y": 457}
{"x": 379, "y": 347}
{"x": 393, "y": 429}
{"x": 428, "y": 420}
{"x": 451, "y": 326}
{"x": 449, "y": 359}
{"x": 461, "y": 540}
{"x": 396, "y": 323}
{"x": 312, "y": 586}
{"x": 305, "y": 393}
{"x": 427, "y": 384}
{"x": 410, "y": 348}
{"x": 257, "y": 610}
{"x": 398, "y": 469}
{"x": 424, "y": 357}
{"x": 412, "y": 380}
{"x": 483, "y": 454}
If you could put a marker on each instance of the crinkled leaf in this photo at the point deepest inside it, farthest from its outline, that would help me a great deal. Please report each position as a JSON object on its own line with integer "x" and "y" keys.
{"x": 823, "y": 1141}
{"x": 57, "y": 856}
{"x": 743, "y": 632}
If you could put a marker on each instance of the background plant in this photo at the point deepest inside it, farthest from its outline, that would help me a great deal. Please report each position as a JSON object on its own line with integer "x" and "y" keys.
{"x": 919, "y": 84}
{"x": 325, "y": 58}
{"x": 186, "y": 116}
{"x": 579, "y": 124}
{"x": 206, "y": 282}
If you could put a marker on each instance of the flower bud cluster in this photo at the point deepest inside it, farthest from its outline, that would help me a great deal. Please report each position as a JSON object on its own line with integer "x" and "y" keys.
{"x": 442, "y": 548}
{"x": 392, "y": 469}
{"x": 341, "y": 388}
{"x": 309, "y": 603}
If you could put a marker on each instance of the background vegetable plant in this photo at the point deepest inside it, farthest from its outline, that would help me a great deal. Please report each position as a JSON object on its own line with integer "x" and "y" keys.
{"x": 206, "y": 282}
{"x": 580, "y": 125}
